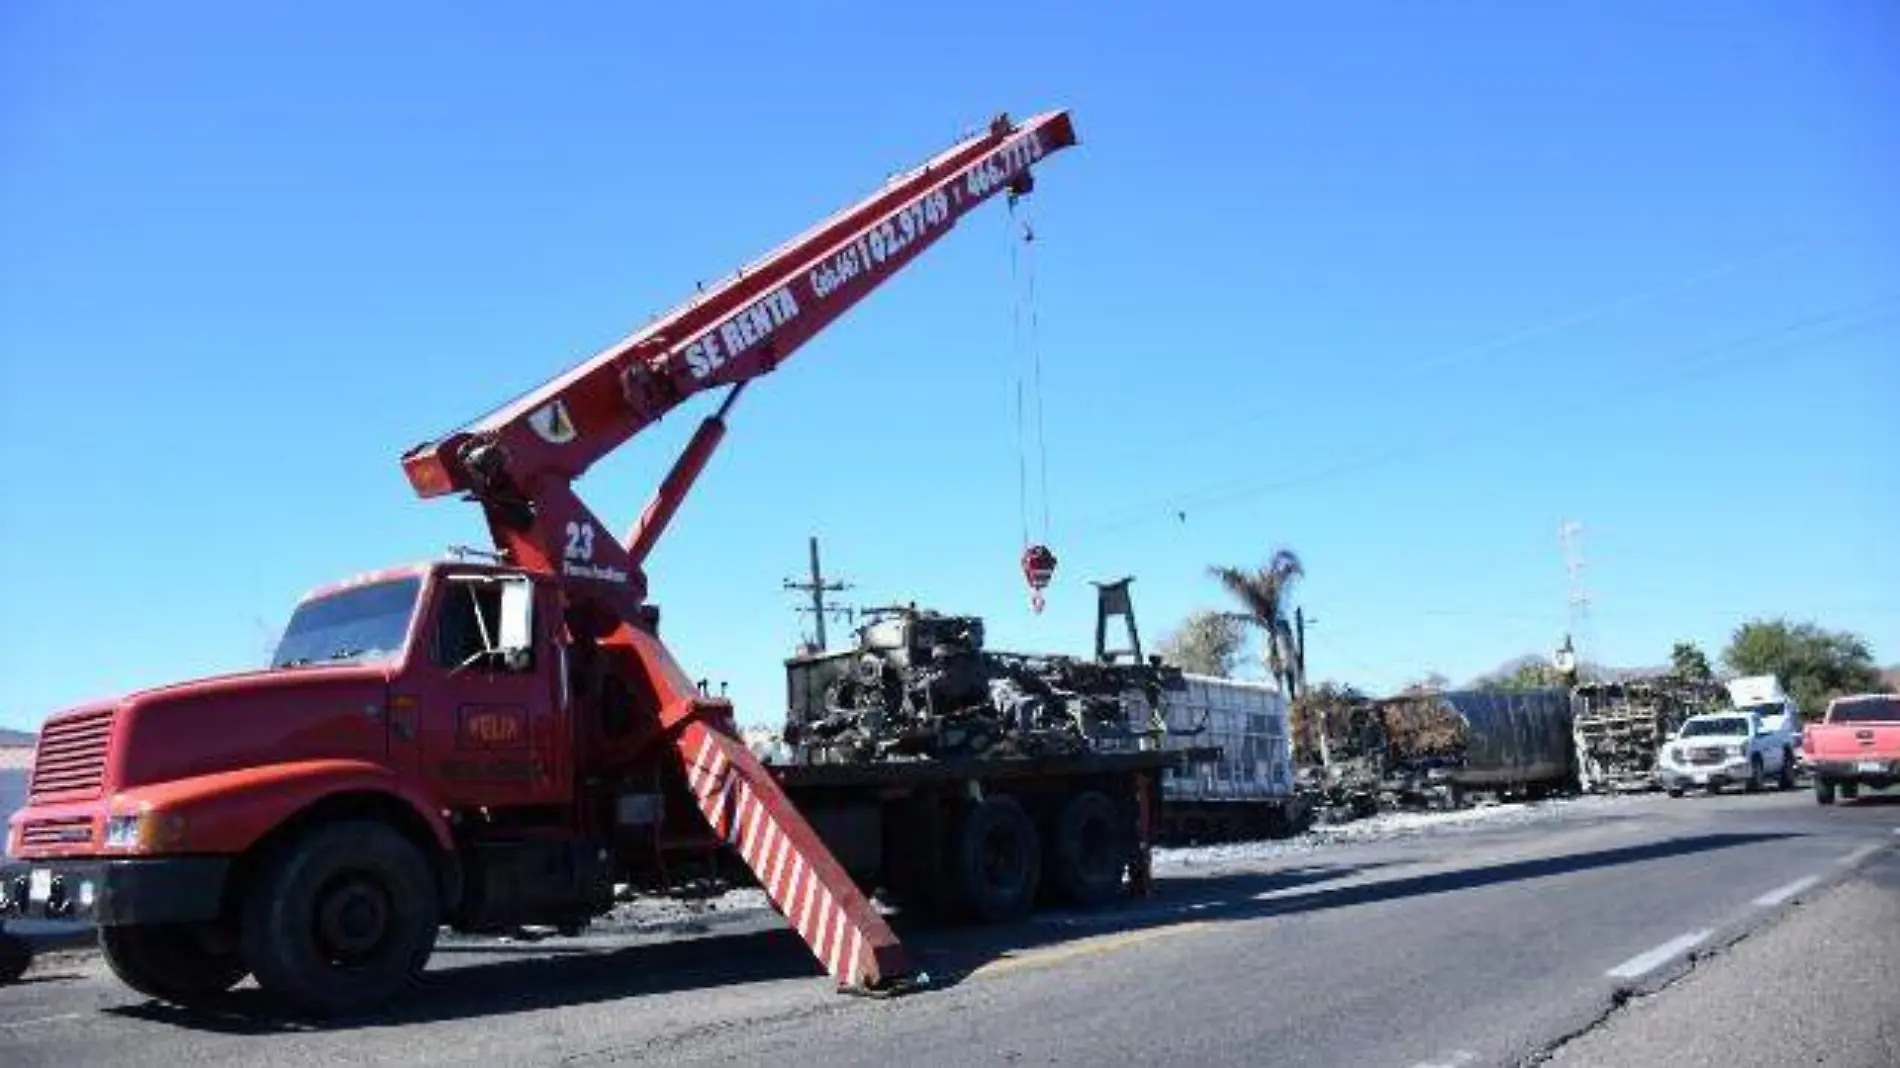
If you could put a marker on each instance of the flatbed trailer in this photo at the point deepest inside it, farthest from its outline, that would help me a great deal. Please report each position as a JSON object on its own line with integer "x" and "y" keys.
{"x": 990, "y": 839}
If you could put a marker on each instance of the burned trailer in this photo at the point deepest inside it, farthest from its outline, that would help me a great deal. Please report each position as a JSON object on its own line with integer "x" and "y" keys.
{"x": 1439, "y": 749}
{"x": 1621, "y": 726}
{"x": 1500, "y": 743}
{"x": 1247, "y": 792}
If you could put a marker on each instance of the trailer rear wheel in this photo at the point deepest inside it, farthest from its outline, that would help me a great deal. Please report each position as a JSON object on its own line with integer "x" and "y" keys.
{"x": 1090, "y": 851}
{"x": 342, "y": 919}
{"x": 170, "y": 962}
{"x": 997, "y": 861}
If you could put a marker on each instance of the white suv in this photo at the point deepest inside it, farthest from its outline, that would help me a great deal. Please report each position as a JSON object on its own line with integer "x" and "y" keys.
{"x": 1714, "y": 750}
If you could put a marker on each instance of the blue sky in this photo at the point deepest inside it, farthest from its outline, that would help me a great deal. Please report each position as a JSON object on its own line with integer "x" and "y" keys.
{"x": 1402, "y": 286}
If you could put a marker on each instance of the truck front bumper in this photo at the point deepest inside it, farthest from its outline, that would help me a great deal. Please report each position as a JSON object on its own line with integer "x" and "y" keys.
{"x": 1682, "y": 777}
{"x": 114, "y": 892}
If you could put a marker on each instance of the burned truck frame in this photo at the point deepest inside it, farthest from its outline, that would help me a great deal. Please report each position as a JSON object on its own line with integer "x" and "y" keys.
{"x": 1622, "y": 725}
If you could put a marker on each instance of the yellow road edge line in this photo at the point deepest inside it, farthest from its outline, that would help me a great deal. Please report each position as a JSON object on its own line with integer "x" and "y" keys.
{"x": 1045, "y": 958}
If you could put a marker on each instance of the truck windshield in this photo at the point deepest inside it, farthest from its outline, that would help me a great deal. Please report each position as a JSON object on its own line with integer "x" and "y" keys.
{"x": 1726, "y": 726}
{"x": 358, "y": 625}
{"x": 1871, "y": 710}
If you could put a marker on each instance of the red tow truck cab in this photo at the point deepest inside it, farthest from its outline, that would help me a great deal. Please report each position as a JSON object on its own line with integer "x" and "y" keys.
{"x": 1856, "y": 744}
{"x": 421, "y": 696}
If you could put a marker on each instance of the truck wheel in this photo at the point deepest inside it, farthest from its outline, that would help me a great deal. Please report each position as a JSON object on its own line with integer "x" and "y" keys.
{"x": 1823, "y": 792}
{"x": 1090, "y": 851}
{"x": 342, "y": 918}
{"x": 1785, "y": 780}
{"x": 1675, "y": 791}
{"x": 997, "y": 862}
{"x": 170, "y": 962}
{"x": 1850, "y": 791}
{"x": 1754, "y": 775}
{"x": 15, "y": 956}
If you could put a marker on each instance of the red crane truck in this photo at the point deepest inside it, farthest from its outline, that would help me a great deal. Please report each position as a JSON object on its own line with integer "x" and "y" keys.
{"x": 496, "y": 740}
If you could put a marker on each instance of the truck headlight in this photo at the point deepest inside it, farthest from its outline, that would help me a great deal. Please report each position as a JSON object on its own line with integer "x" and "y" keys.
{"x": 1737, "y": 750}
{"x": 122, "y": 832}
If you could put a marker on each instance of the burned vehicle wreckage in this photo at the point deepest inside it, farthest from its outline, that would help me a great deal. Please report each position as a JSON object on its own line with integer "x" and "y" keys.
{"x": 1439, "y": 749}
{"x": 920, "y": 685}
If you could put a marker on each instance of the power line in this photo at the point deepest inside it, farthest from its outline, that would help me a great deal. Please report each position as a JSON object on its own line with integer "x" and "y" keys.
{"x": 1833, "y": 325}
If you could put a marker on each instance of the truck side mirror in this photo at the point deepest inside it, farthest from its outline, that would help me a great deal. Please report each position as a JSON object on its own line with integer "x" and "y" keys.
{"x": 516, "y": 638}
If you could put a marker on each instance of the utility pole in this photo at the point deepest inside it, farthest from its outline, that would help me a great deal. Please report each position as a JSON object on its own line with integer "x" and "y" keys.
{"x": 817, "y": 587}
{"x": 1569, "y": 659}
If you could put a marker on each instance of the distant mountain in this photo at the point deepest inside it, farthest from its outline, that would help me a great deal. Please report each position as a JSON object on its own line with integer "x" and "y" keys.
{"x": 10, "y": 737}
{"x": 1589, "y": 670}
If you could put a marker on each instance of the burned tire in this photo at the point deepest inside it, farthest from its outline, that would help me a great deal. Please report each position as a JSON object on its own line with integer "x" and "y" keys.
{"x": 1090, "y": 851}
{"x": 996, "y": 862}
{"x": 171, "y": 962}
{"x": 341, "y": 919}
{"x": 1784, "y": 780}
{"x": 15, "y": 956}
{"x": 1755, "y": 776}
{"x": 1823, "y": 792}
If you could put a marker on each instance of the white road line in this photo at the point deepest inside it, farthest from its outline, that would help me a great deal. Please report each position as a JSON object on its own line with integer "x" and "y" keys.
{"x": 1860, "y": 854}
{"x": 1457, "y": 1058}
{"x": 1644, "y": 963}
{"x": 1782, "y": 893}
{"x": 40, "y": 1020}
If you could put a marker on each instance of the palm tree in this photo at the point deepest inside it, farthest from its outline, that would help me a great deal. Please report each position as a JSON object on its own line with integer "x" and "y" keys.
{"x": 1264, "y": 595}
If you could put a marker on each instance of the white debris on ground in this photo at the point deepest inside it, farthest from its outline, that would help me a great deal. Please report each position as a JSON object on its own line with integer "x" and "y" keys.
{"x": 1385, "y": 827}
{"x": 653, "y": 913}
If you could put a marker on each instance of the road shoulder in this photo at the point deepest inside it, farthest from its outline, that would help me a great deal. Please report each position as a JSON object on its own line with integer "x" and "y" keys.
{"x": 1817, "y": 987}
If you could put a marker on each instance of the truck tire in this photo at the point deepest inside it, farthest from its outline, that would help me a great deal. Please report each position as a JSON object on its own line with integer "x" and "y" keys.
{"x": 170, "y": 962}
{"x": 1090, "y": 851}
{"x": 1850, "y": 790}
{"x": 341, "y": 918}
{"x": 1785, "y": 779}
{"x": 1755, "y": 776}
{"x": 1823, "y": 792}
{"x": 996, "y": 861}
{"x": 15, "y": 956}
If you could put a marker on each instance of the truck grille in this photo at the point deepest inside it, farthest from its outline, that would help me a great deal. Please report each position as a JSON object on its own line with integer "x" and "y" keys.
{"x": 65, "y": 830}
{"x": 1705, "y": 756}
{"x": 71, "y": 758}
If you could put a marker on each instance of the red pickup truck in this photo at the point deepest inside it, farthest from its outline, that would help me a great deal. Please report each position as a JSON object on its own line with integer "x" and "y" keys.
{"x": 1857, "y": 744}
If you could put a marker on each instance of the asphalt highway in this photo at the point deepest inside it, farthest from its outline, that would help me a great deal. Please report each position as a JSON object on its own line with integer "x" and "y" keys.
{"x": 1594, "y": 932}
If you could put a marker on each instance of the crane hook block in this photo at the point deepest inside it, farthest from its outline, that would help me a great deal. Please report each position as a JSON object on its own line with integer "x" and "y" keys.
{"x": 1039, "y": 566}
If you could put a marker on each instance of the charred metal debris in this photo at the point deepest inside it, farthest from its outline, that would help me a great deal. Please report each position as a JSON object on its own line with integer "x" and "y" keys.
{"x": 919, "y": 684}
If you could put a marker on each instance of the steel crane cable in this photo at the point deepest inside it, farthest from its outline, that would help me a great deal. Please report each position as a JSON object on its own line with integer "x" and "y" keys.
{"x": 1038, "y": 562}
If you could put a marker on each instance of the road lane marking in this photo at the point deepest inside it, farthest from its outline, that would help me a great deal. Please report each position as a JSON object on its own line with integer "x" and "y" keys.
{"x": 1458, "y": 1057}
{"x": 1644, "y": 963}
{"x": 1860, "y": 854}
{"x": 1089, "y": 948}
{"x": 1782, "y": 893}
{"x": 39, "y": 1020}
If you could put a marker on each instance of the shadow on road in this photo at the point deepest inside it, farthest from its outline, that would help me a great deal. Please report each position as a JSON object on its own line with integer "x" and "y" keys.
{"x": 568, "y": 976}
